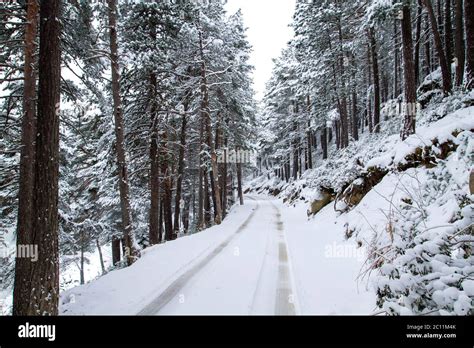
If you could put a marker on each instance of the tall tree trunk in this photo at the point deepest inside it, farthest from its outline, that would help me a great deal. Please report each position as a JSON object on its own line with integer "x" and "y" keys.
{"x": 213, "y": 193}
{"x": 309, "y": 135}
{"x": 295, "y": 145}
{"x": 206, "y": 115}
{"x": 202, "y": 175}
{"x": 344, "y": 136}
{"x": 22, "y": 284}
{"x": 355, "y": 120}
{"x": 101, "y": 257}
{"x": 160, "y": 224}
{"x": 154, "y": 176}
{"x": 344, "y": 123}
{"x": 81, "y": 268}
{"x": 445, "y": 70}
{"x": 207, "y": 199}
{"x": 166, "y": 186}
{"x": 239, "y": 183}
{"x": 448, "y": 35}
{"x": 428, "y": 65}
{"x": 131, "y": 253}
{"x": 375, "y": 67}
{"x": 459, "y": 47}
{"x": 179, "y": 181}
{"x": 154, "y": 214}
{"x": 115, "y": 251}
{"x": 185, "y": 215}
{"x": 45, "y": 272}
{"x": 369, "y": 90}
{"x": 417, "y": 42}
{"x": 469, "y": 23}
{"x": 224, "y": 187}
{"x": 396, "y": 83}
{"x": 409, "y": 74}
{"x": 324, "y": 141}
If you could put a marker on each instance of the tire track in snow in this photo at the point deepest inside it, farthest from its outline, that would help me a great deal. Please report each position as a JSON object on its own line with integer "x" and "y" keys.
{"x": 175, "y": 287}
{"x": 260, "y": 288}
{"x": 285, "y": 297}
{"x": 275, "y": 267}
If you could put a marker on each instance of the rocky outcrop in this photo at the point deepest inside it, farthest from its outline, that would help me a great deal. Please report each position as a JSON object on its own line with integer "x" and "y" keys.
{"x": 357, "y": 190}
{"x": 427, "y": 156}
{"x": 326, "y": 196}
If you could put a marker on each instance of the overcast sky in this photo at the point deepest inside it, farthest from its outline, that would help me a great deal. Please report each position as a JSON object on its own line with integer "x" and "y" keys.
{"x": 268, "y": 32}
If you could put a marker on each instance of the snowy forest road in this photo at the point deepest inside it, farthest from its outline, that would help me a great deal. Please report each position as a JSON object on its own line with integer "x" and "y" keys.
{"x": 248, "y": 273}
{"x": 264, "y": 259}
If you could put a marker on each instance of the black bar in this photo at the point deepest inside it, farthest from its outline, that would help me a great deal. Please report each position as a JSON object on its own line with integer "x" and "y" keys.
{"x": 213, "y": 330}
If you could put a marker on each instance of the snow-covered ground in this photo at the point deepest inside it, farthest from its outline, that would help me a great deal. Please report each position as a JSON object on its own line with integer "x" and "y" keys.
{"x": 264, "y": 259}
{"x": 326, "y": 266}
{"x": 269, "y": 257}
{"x": 413, "y": 227}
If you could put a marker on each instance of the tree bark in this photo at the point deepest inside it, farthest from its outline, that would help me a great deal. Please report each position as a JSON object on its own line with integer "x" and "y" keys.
{"x": 185, "y": 215}
{"x": 45, "y": 272}
{"x": 179, "y": 181}
{"x": 369, "y": 90}
{"x": 131, "y": 253}
{"x": 160, "y": 224}
{"x": 81, "y": 268}
{"x": 417, "y": 42}
{"x": 115, "y": 251}
{"x": 396, "y": 83}
{"x": 459, "y": 47}
{"x": 445, "y": 70}
{"x": 202, "y": 176}
{"x": 324, "y": 141}
{"x": 355, "y": 120}
{"x": 344, "y": 135}
{"x": 448, "y": 35}
{"x": 207, "y": 199}
{"x": 375, "y": 67}
{"x": 206, "y": 116}
{"x": 224, "y": 186}
{"x": 22, "y": 283}
{"x": 409, "y": 74}
{"x": 101, "y": 257}
{"x": 469, "y": 23}
{"x": 239, "y": 183}
{"x": 309, "y": 135}
{"x": 428, "y": 65}
{"x": 166, "y": 186}
{"x": 154, "y": 214}
{"x": 296, "y": 168}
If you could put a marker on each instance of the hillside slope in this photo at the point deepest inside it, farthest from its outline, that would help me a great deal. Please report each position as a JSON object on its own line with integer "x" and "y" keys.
{"x": 408, "y": 205}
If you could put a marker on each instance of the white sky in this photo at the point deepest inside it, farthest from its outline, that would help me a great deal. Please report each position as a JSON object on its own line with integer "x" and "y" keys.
{"x": 268, "y": 32}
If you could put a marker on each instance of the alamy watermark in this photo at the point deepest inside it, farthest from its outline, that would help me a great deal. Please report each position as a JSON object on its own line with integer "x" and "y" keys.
{"x": 235, "y": 156}
{"x": 344, "y": 251}
{"x": 394, "y": 109}
{"x": 23, "y": 251}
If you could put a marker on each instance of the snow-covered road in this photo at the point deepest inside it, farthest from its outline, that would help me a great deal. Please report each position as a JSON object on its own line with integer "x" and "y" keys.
{"x": 248, "y": 273}
{"x": 265, "y": 258}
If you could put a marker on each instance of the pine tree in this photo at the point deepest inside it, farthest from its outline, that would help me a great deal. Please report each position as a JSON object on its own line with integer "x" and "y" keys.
{"x": 23, "y": 286}
{"x": 119, "y": 134}
{"x": 469, "y": 23}
{"x": 45, "y": 272}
